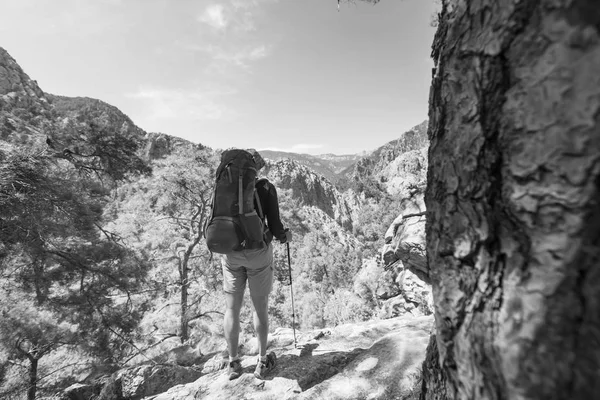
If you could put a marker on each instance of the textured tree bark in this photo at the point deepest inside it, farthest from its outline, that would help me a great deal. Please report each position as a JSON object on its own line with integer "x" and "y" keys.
{"x": 33, "y": 367}
{"x": 513, "y": 227}
{"x": 183, "y": 310}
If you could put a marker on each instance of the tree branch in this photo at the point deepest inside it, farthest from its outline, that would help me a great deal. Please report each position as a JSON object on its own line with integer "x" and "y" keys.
{"x": 414, "y": 215}
{"x": 205, "y": 314}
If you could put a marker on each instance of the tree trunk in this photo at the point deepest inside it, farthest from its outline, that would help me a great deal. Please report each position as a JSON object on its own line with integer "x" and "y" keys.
{"x": 33, "y": 367}
{"x": 513, "y": 227}
{"x": 183, "y": 273}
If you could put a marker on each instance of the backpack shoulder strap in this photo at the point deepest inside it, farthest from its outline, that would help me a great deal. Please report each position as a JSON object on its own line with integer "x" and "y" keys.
{"x": 258, "y": 205}
{"x": 241, "y": 193}
{"x": 261, "y": 182}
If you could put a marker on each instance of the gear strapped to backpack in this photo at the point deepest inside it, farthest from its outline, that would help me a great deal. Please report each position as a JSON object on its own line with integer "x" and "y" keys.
{"x": 234, "y": 224}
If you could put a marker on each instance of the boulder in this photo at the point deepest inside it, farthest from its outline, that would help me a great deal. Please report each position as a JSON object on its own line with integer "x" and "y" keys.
{"x": 405, "y": 240}
{"x": 147, "y": 380}
{"x": 80, "y": 391}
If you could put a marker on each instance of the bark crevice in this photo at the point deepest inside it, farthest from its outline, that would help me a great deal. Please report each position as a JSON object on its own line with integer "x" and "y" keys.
{"x": 512, "y": 160}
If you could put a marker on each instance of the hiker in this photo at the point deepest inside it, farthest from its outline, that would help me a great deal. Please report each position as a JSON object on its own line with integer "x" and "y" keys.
{"x": 254, "y": 265}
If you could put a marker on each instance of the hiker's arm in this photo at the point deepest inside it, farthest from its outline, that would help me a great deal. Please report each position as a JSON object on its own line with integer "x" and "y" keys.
{"x": 273, "y": 218}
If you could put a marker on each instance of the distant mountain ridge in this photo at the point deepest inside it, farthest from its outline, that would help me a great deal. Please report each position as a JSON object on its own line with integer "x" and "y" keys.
{"x": 358, "y": 167}
{"x": 376, "y": 161}
{"x": 329, "y": 165}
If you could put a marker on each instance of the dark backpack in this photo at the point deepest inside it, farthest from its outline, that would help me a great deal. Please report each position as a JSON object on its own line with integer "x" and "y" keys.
{"x": 234, "y": 224}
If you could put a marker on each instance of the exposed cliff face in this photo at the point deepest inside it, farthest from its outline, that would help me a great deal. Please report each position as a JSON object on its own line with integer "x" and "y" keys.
{"x": 405, "y": 238}
{"x": 405, "y": 263}
{"x": 30, "y": 117}
{"x": 159, "y": 145}
{"x": 76, "y": 111}
{"x": 406, "y": 175}
{"x": 376, "y": 162}
{"x": 394, "y": 290}
{"x": 403, "y": 254}
{"x": 25, "y": 111}
{"x": 311, "y": 189}
{"x": 14, "y": 80}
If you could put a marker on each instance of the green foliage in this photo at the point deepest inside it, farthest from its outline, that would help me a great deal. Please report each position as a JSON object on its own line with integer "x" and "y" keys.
{"x": 344, "y": 307}
{"x": 72, "y": 280}
{"x": 100, "y": 150}
{"x": 30, "y": 330}
{"x": 374, "y": 220}
{"x": 369, "y": 187}
{"x": 162, "y": 216}
{"x": 323, "y": 270}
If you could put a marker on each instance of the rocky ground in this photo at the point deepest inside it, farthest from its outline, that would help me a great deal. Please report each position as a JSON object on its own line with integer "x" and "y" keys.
{"x": 371, "y": 360}
{"x": 375, "y": 360}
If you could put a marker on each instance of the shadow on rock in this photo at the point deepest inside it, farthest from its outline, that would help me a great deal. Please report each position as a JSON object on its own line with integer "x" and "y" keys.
{"x": 310, "y": 368}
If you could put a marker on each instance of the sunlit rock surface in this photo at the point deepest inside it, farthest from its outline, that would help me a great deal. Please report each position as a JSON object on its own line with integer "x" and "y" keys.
{"x": 376, "y": 360}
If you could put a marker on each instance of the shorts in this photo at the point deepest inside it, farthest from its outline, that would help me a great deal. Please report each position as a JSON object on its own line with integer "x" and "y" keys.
{"x": 255, "y": 266}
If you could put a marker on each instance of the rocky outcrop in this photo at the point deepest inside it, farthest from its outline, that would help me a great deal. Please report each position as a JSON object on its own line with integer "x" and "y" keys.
{"x": 394, "y": 291}
{"x": 79, "y": 119}
{"x": 146, "y": 380}
{"x": 14, "y": 80}
{"x": 414, "y": 296}
{"x": 405, "y": 242}
{"x": 403, "y": 255}
{"x": 159, "y": 145}
{"x": 377, "y": 161}
{"x": 80, "y": 391}
{"x": 25, "y": 112}
{"x": 376, "y": 360}
{"x": 311, "y": 190}
{"x": 406, "y": 175}
{"x": 29, "y": 117}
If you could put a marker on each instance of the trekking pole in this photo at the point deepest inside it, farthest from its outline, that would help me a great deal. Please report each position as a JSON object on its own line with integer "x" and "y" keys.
{"x": 292, "y": 291}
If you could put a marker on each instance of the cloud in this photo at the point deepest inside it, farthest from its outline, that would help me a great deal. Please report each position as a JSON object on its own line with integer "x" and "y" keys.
{"x": 229, "y": 35}
{"x": 239, "y": 16}
{"x": 214, "y": 16}
{"x": 225, "y": 43}
{"x": 236, "y": 56}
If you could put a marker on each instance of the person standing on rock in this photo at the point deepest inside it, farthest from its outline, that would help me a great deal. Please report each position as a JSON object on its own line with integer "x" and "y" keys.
{"x": 252, "y": 265}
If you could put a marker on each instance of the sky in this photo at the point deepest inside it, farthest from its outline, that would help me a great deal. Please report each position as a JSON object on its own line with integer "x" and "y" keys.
{"x": 289, "y": 75}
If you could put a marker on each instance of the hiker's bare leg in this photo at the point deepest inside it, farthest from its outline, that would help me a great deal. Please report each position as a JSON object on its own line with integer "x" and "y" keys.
{"x": 231, "y": 321}
{"x": 261, "y": 321}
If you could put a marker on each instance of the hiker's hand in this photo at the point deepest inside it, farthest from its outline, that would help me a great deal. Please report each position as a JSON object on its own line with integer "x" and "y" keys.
{"x": 287, "y": 238}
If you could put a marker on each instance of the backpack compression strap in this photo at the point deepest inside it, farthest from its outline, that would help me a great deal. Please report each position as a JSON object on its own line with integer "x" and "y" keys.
{"x": 240, "y": 194}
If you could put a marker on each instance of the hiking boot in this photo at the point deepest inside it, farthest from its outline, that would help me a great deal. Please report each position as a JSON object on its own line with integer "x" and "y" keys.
{"x": 262, "y": 367}
{"x": 235, "y": 369}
